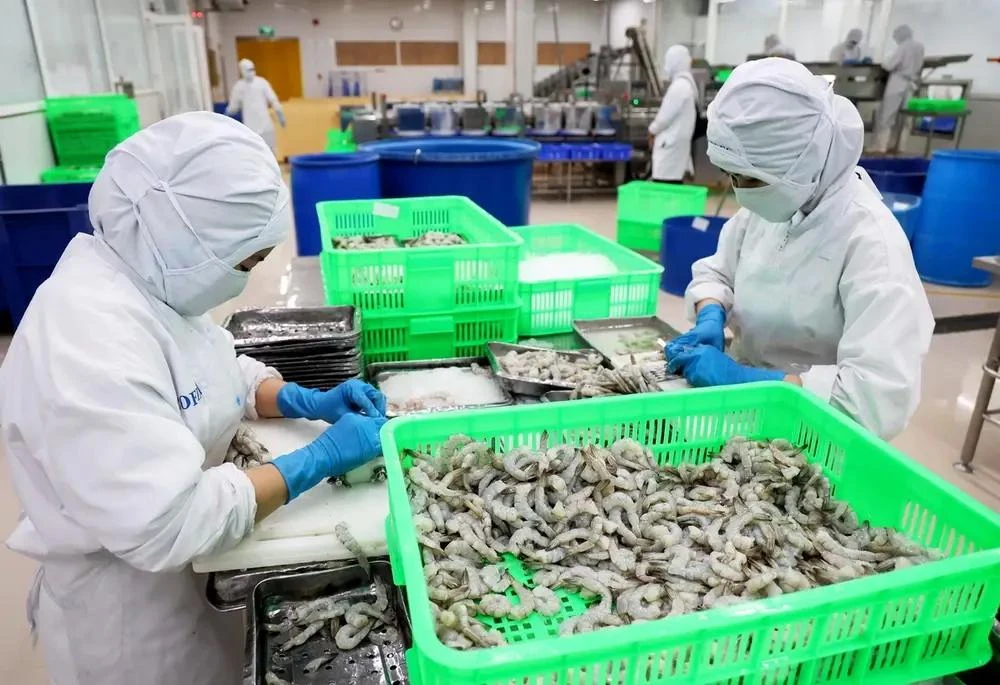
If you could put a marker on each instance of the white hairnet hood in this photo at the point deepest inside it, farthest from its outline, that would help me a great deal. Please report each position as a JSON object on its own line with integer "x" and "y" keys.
{"x": 184, "y": 201}
{"x": 902, "y": 33}
{"x": 854, "y": 36}
{"x": 676, "y": 61}
{"x": 775, "y": 121}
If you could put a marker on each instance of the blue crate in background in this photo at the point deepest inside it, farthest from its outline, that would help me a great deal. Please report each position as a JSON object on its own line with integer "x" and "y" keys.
{"x": 614, "y": 152}
{"x": 36, "y": 224}
{"x": 583, "y": 151}
{"x": 554, "y": 152}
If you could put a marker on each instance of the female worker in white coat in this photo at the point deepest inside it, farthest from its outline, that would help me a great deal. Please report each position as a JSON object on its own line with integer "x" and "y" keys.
{"x": 904, "y": 66}
{"x": 814, "y": 274}
{"x": 673, "y": 128}
{"x": 252, "y": 95}
{"x": 119, "y": 397}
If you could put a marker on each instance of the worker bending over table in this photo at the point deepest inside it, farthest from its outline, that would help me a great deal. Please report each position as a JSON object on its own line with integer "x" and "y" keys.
{"x": 814, "y": 274}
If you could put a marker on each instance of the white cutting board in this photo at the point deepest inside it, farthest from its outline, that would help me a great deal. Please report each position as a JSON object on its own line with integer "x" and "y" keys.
{"x": 302, "y": 531}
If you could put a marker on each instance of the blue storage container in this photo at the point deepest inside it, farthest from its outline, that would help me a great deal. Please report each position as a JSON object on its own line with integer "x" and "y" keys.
{"x": 583, "y": 152}
{"x": 897, "y": 174}
{"x": 36, "y": 224}
{"x": 220, "y": 108}
{"x": 614, "y": 152}
{"x": 331, "y": 176}
{"x": 493, "y": 173}
{"x": 686, "y": 239}
{"x": 957, "y": 219}
{"x": 906, "y": 209}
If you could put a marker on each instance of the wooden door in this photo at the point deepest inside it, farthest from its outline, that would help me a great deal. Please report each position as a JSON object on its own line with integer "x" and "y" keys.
{"x": 278, "y": 60}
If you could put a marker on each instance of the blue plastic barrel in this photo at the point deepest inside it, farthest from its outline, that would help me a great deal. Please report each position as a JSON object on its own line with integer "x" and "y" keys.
{"x": 958, "y": 221}
{"x": 220, "y": 108}
{"x": 897, "y": 174}
{"x": 36, "y": 224}
{"x": 686, "y": 239}
{"x": 493, "y": 173}
{"x": 330, "y": 176}
{"x": 906, "y": 209}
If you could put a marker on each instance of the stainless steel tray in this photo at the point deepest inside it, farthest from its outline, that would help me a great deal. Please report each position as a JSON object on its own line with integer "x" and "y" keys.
{"x": 527, "y": 386}
{"x": 586, "y": 328}
{"x": 557, "y": 396}
{"x": 271, "y": 325}
{"x": 366, "y": 664}
{"x": 232, "y": 590}
{"x": 379, "y": 371}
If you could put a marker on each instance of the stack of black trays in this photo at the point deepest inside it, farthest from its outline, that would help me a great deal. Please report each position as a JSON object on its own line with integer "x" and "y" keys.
{"x": 317, "y": 347}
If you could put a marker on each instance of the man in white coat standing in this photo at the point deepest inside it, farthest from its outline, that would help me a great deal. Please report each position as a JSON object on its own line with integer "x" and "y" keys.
{"x": 904, "y": 67}
{"x": 673, "y": 128}
{"x": 252, "y": 95}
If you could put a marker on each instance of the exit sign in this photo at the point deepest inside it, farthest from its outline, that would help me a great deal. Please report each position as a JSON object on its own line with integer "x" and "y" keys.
{"x": 265, "y": 31}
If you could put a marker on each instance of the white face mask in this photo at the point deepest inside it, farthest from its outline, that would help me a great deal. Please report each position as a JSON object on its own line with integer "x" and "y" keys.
{"x": 771, "y": 202}
{"x": 249, "y": 74}
{"x": 194, "y": 291}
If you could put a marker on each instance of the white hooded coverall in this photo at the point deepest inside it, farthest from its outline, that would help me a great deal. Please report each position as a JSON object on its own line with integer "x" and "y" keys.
{"x": 831, "y": 294}
{"x": 116, "y": 410}
{"x": 850, "y": 49}
{"x": 252, "y": 95}
{"x": 673, "y": 126}
{"x": 904, "y": 66}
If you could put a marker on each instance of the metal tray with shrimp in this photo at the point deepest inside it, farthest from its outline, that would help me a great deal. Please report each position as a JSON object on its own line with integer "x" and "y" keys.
{"x": 604, "y": 335}
{"x": 529, "y": 386}
{"x": 378, "y": 660}
{"x": 378, "y": 372}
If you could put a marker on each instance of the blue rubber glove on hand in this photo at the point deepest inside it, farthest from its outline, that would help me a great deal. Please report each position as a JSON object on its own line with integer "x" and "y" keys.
{"x": 704, "y": 366}
{"x": 346, "y": 445}
{"x": 709, "y": 329}
{"x": 352, "y": 397}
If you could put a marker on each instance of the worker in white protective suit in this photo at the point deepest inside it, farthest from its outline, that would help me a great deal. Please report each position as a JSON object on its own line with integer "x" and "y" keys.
{"x": 119, "y": 398}
{"x": 673, "y": 128}
{"x": 252, "y": 95}
{"x": 904, "y": 66}
{"x": 814, "y": 274}
{"x": 850, "y": 49}
{"x": 773, "y": 47}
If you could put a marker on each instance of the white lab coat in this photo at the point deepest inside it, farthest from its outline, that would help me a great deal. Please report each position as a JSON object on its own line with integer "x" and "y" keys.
{"x": 904, "y": 66}
{"x": 842, "y": 52}
{"x": 832, "y": 296}
{"x": 117, "y": 412}
{"x": 673, "y": 129}
{"x": 253, "y": 98}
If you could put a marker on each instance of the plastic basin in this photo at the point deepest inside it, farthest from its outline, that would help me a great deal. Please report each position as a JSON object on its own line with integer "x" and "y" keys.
{"x": 686, "y": 239}
{"x": 897, "y": 174}
{"x": 906, "y": 209}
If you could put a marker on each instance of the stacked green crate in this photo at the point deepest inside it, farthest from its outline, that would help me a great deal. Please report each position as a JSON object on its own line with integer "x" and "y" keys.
{"x": 643, "y": 206}
{"x": 423, "y": 302}
{"x": 70, "y": 174}
{"x": 85, "y": 128}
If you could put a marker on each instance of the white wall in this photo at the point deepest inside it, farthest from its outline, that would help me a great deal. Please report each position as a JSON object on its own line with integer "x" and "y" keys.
{"x": 24, "y": 143}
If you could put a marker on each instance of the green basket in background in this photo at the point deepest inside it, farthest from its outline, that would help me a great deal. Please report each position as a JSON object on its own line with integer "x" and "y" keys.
{"x": 551, "y": 306}
{"x": 936, "y": 106}
{"x": 70, "y": 174}
{"x": 643, "y": 205}
{"x": 340, "y": 141}
{"x": 397, "y": 337}
{"x": 406, "y": 280}
{"x": 898, "y": 627}
{"x": 84, "y": 129}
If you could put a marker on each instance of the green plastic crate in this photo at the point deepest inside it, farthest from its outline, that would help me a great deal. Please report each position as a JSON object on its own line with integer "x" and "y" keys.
{"x": 340, "y": 141}
{"x": 935, "y": 105}
{"x": 441, "y": 335}
{"x": 70, "y": 174}
{"x": 84, "y": 129}
{"x": 643, "y": 205}
{"x": 552, "y": 306}
{"x": 898, "y": 627}
{"x": 405, "y": 280}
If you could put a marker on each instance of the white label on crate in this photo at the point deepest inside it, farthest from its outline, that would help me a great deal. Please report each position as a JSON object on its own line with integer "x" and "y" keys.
{"x": 386, "y": 210}
{"x": 700, "y": 223}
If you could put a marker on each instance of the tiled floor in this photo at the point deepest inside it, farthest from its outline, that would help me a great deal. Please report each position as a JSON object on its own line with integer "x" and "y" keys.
{"x": 933, "y": 438}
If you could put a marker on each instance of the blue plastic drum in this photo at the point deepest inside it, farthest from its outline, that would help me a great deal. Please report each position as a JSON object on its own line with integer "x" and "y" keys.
{"x": 897, "y": 174}
{"x": 906, "y": 209}
{"x": 958, "y": 221}
{"x": 322, "y": 177}
{"x": 495, "y": 174}
{"x": 686, "y": 239}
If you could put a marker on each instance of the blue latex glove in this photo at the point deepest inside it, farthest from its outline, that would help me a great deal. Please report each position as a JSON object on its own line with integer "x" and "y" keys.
{"x": 354, "y": 396}
{"x": 346, "y": 445}
{"x": 705, "y": 366}
{"x": 281, "y": 118}
{"x": 709, "y": 329}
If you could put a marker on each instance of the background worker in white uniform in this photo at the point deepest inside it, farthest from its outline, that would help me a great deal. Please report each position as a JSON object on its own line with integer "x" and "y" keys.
{"x": 119, "y": 397}
{"x": 252, "y": 95}
{"x": 904, "y": 66}
{"x": 773, "y": 47}
{"x": 673, "y": 128}
{"x": 850, "y": 49}
{"x": 813, "y": 274}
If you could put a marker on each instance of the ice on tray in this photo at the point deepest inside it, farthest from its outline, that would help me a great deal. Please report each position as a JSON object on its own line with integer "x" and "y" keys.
{"x": 563, "y": 265}
{"x": 440, "y": 388}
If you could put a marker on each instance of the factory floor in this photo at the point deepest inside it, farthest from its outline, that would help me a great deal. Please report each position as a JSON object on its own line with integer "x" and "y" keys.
{"x": 933, "y": 438}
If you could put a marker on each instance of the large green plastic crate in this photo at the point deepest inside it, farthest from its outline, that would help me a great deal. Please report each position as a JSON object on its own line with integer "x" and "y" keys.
{"x": 70, "y": 174}
{"x": 404, "y": 280}
{"x": 898, "y": 627}
{"x": 552, "y": 306}
{"x": 643, "y": 205}
{"x": 936, "y": 105}
{"x": 396, "y": 337}
{"x": 84, "y": 129}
